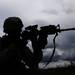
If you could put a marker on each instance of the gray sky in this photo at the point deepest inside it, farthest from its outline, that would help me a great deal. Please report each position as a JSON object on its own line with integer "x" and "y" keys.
{"x": 43, "y": 12}
{"x": 34, "y": 11}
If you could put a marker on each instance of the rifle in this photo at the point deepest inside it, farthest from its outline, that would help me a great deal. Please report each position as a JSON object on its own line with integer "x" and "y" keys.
{"x": 53, "y": 30}
{"x": 44, "y": 30}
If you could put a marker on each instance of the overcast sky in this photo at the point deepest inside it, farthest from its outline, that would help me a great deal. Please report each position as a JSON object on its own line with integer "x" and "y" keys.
{"x": 43, "y": 12}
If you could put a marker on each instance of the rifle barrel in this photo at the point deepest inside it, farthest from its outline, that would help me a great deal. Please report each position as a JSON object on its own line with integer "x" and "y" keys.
{"x": 67, "y": 29}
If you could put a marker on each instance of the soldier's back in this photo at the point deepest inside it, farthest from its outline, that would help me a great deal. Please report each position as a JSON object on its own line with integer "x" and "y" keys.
{"x": 9, "y": 55}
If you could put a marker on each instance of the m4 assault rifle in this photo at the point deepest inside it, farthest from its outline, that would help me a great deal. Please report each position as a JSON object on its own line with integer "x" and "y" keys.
{"x": 32, "y": 31}
{"x": 53, "y": 30}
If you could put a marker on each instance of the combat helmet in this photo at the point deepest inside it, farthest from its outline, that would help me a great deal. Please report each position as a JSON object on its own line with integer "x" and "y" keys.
{"x": 12, "y": 24}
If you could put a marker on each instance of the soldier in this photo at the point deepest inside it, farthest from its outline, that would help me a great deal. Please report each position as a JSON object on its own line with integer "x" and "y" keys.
{"x": 11, "y": 46}
{"x": 39, "y": 40}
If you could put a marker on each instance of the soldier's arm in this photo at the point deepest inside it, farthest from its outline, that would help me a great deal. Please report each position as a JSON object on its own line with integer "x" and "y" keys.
{"x": 42, "y": 41}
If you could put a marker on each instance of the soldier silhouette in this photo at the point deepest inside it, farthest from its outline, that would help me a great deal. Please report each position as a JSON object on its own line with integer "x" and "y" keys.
{"x": 39, "y": 41}
{"x": 11, "y": 46}
{"x": 38, "y": 44}
{"x": 30, "y": 33}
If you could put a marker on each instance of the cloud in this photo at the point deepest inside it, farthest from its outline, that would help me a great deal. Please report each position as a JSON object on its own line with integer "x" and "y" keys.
{"x": 66, "y": 40}
{"x": 68, "y": 6}
{"x": 1, "y": 33}
{"x": 44, "y": 12}
{"x": 48, "y": 52}
{"x": 52, "y": 12}
{"x": 68, "y": 55}
{"x": 59, "y": 55}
